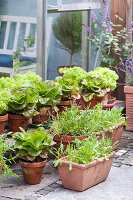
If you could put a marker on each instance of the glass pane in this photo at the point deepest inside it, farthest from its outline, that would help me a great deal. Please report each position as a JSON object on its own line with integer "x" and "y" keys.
{"x": 18, "y": 21}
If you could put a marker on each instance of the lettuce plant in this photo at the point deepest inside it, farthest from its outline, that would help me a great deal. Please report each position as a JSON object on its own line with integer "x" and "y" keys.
{"x": 4, "y": 99}
{"x": 6, "y": 146}
{"x": 74, "y": 73}
{"x": 68, "y": 87}
{"x": 23, "y": 101}
{"x": 75, "y": 123}
{"x": 92, "y": 86}
{"x": 107, "y": 75}
{"x": 49, "y": 94}
{"x": 33, "y": 144}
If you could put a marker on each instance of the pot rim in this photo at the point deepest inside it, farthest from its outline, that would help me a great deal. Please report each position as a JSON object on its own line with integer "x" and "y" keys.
{"x": 4, "y": 117}
{"x": 35, "y": 164}
{"x": 83, "y": 166}
{"x": 18, "y": 116}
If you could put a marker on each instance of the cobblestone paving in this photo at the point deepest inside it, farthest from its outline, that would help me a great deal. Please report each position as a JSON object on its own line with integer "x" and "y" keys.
{"x": 51, "y": 187}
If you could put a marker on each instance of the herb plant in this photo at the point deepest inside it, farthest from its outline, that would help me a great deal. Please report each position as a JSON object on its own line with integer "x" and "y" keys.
{"x": 85, "y": 151}
{"x": 6, "y": 146}
{"x": 33, "y": 145}
{"x": 75, "y": 123}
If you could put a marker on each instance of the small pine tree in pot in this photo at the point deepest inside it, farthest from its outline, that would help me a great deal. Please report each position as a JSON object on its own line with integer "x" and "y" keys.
{"x": 68, "y": 31}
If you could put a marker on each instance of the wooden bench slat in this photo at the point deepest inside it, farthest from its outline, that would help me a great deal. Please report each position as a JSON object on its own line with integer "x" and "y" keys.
{"x": 7, "y": 35}
{"x": 15, "y": 44}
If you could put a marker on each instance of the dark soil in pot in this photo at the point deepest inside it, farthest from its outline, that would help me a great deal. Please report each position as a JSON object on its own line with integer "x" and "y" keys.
{"x": 3, "y": 120}
{"x": 16, "y": 121}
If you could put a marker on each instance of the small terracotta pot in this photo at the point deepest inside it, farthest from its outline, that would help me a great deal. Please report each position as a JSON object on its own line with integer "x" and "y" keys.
{"x": 42, "y": 118}
{"x": 66, "y": 139}
{"x": 128, "y": 90}
{"x": 61, "y": 106}
{"x": 16, "y": 121}
{"x": 3, "y": 119}
{"x": 93, "y": 102}
{"x": 116, "y": 135}
{"x": 110, "y": 104}
{"x": 106, "y": 97}
{"x": 33, "y": 172}
{"x": 84, "y": 176}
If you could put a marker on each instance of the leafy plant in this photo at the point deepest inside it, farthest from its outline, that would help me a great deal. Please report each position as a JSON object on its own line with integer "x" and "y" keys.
{"x": 28, "y": 43}
{"x": 49, "y": 94}
{"x": 68, "y": 31}
{"x": 92, "y": 86}
{"x": 68, "y": 87}
{"x": 74, "y": 73}
{"x": 23, "y": 101}
{"x": 107, "y": 75}
{"x": 4, "y": 99}
{"x": 33, "y": 144}
{"x": 73, "y": 122}
{"x": 114, "y": 53}
{"x": 6, "y": 146}
{"x": 85, "y": 151}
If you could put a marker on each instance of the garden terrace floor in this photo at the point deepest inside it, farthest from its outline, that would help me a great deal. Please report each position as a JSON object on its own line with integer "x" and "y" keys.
{"x": 118, "y": 186}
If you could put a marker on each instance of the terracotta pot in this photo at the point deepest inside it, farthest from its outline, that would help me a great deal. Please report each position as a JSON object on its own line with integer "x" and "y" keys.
{"x": 84, "y": 176}
{"x": 66, "y": 139}
{"x": 3, "y": 119}
{"x": 61, "y": 106}
{"x": 111, "y": 100}
{"x": 16, "y": 121}
{"x": 128, "y": 90}
{"x": 116, "y": 135}
{"x": 106, "y": 97}
{"x": 110, "y": 104}
{"x": 33, "y": 172}
{"x": 42, "y": 118}
{"x": 0, "y": 168}
{"x": 93, "y": 102}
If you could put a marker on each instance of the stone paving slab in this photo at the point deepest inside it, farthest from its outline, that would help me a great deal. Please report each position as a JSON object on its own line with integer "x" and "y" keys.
{"x": 118, "y": 186}
{"x": 128, "y": 161}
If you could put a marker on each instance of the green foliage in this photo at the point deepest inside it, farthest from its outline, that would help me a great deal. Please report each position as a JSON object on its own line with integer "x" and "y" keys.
{"x": 6, "y": 83}
{"x": 6, "y": 146}
{"x": 33, "y": 144}
{"x": 28, "y": 43}
{"x": 85, "y": 151}
{"x": 49, "y": 94}
{"x": 73, "y": 122}
{"x": 23, "y": 101}
{"x": 4, "y": 99}
{"x": 74, "y": 73}
{"x": 92, "y": 86}
{"x": 68, "y": 87}
{"x": 107, "y": 75}
{"x": 68, "y": 30}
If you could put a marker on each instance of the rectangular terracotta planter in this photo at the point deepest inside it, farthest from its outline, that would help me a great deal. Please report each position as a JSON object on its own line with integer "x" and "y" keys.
{"x": 84, "y": 176}
{"x": 128, "y": 90}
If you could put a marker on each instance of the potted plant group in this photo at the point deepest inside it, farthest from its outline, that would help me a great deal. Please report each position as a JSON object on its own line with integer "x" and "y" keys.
{"x": 6, "y": 147}
{"x": 80, "y": 124}
{"x": 22, "y": 106}
{"x": 4, "y": 99}
{"x": 87, "y": 163}
{"x": 49, "y": 97}
{"x": 32, "y": 147}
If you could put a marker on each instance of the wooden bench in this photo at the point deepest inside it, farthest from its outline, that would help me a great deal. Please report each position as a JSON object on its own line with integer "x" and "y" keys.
{"x": 31, "y": 53}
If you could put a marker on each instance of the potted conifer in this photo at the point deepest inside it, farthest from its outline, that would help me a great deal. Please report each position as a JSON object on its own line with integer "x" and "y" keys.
{"x": 68, "y": 31}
